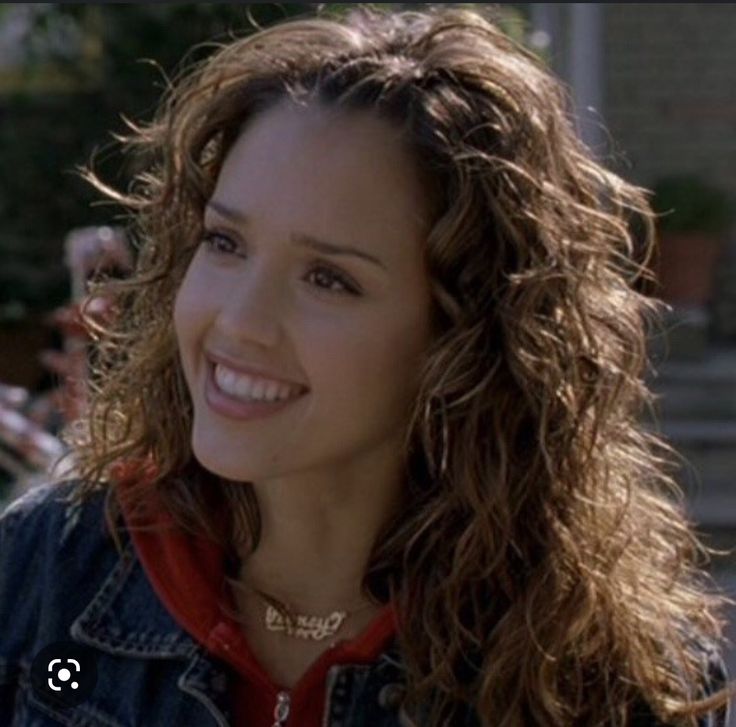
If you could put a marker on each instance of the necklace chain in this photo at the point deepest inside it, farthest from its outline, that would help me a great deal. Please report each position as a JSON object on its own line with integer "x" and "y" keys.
{"x": 307, "y": 626}
{"x": 303, "y": 626}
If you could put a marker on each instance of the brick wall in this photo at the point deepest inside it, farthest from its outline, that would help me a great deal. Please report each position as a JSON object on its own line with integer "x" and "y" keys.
{"x": 670, "y": 88}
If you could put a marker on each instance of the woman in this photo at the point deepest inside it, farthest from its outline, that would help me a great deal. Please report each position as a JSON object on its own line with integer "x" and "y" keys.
{"x": 365, "y": 427}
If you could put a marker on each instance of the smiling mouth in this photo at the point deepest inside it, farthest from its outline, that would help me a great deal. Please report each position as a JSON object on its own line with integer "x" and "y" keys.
{"x": 228, "y": 405}
{"x": 245, "y": 387}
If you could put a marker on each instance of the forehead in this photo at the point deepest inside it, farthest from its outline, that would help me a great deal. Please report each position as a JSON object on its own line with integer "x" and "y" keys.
{"x": 348, "y": 171}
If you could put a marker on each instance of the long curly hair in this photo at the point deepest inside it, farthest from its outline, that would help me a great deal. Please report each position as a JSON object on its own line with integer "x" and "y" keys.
{"x": 543, "y": 568}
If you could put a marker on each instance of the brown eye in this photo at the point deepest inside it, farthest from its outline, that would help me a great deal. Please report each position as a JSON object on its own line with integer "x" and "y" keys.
{"x": 329, "y": 276}
{"x": 217, "y": 242}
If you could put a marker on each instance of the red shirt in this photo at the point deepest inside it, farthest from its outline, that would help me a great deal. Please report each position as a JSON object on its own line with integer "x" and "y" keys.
{"x": 187, "y": 573}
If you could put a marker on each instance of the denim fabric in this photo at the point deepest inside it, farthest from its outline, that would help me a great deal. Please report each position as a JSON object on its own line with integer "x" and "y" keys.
{"x": 61, "y": 579}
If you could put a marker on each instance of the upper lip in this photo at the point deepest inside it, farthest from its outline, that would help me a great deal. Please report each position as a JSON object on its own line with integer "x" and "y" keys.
{"x": 251, "y": 369}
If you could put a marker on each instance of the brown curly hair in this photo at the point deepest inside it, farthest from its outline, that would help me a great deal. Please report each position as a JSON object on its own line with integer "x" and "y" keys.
{"x": 555, "y": 578}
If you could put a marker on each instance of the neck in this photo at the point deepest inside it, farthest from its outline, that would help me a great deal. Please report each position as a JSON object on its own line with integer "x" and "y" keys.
{"x": 316, "y": 541}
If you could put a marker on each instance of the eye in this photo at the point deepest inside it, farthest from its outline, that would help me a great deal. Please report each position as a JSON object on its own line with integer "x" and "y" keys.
{"x": 219, "y": 244}
{"x": 330, "y": 275}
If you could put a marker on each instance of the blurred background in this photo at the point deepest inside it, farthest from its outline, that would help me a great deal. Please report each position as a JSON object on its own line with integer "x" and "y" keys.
{"x": 654, "y": 88}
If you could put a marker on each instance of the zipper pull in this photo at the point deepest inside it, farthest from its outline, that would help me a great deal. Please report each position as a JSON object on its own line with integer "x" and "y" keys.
{"x": 281, "y": 710}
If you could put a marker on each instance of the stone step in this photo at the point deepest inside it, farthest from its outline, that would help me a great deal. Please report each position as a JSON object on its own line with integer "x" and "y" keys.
{"x": 712, "y": 510}
{"x": 695, "y": 399}
{"x": 703, "y": 389}
{"x": 707, "y": 473}
{"x": 703, "y": 433}
{"x": 719, "y": 364}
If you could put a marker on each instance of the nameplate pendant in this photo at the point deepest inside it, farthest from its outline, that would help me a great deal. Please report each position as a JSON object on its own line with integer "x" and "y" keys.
{"x": 305, "y": 627}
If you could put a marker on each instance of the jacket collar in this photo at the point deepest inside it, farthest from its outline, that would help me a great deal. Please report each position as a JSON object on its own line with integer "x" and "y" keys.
{"x": 125, "y": 616}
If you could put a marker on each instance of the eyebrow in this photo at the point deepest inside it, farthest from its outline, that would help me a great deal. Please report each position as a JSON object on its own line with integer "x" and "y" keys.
{"x": 328, "y": 248}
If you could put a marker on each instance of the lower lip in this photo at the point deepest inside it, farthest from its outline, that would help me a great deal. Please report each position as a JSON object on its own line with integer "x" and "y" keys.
{"x": 232, "y": 408}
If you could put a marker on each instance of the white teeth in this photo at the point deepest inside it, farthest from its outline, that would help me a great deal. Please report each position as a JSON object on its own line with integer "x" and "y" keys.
{"x": 245, "y": 388}
{"x": 249, "y": 388}
{"x": 258, "y": 389}
{"x": 227, "y": 378}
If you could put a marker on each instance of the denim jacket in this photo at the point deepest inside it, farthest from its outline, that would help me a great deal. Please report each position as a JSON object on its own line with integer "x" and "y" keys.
{"x": 61, "y": 579}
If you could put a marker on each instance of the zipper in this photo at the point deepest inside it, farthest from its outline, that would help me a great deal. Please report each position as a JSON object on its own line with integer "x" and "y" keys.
{"x": 281, "y": 710}
{"x": 332, "y": 673}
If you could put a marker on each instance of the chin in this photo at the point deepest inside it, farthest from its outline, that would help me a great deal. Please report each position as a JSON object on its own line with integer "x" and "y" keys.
{"x": 215, "y": 459}
{"x": 222, "y": 469}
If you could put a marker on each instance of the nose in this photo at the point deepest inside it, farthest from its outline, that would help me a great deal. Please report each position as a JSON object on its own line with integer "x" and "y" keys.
{"x": 251, "y": 307}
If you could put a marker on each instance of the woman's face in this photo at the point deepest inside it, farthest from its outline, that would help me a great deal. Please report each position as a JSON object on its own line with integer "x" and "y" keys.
{"x": 351, "y": 328}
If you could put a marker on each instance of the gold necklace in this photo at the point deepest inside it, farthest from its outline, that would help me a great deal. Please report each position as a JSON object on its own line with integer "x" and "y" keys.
{"x": 306, "y": 626}
{"x": 301, "y": 626}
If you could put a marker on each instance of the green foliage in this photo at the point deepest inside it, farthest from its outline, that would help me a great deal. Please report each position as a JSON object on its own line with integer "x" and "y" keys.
{"x": 690, "y": 204}
{"x": 86, "y": 66}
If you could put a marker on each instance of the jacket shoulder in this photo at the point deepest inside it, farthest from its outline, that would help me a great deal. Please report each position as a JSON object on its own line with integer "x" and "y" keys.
{"x": 37, "y": 498}
{"x": 52, "y": 550}
{"x": 713, "y": 677}
{"x": 46, "y": 508}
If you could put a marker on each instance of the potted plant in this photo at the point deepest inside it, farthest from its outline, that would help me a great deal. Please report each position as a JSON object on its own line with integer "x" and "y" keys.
{"x": 694, "y": 218}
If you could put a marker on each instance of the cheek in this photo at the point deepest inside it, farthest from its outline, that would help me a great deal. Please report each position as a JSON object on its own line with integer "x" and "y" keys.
{"x": 192, "y": 299}
{"x": 373, "y": 359}
{"x": 181, "y": 314}
{"x": 401, "y": 353}
{"x": 189, "y": 316}
{"x": 399, "y": 356}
